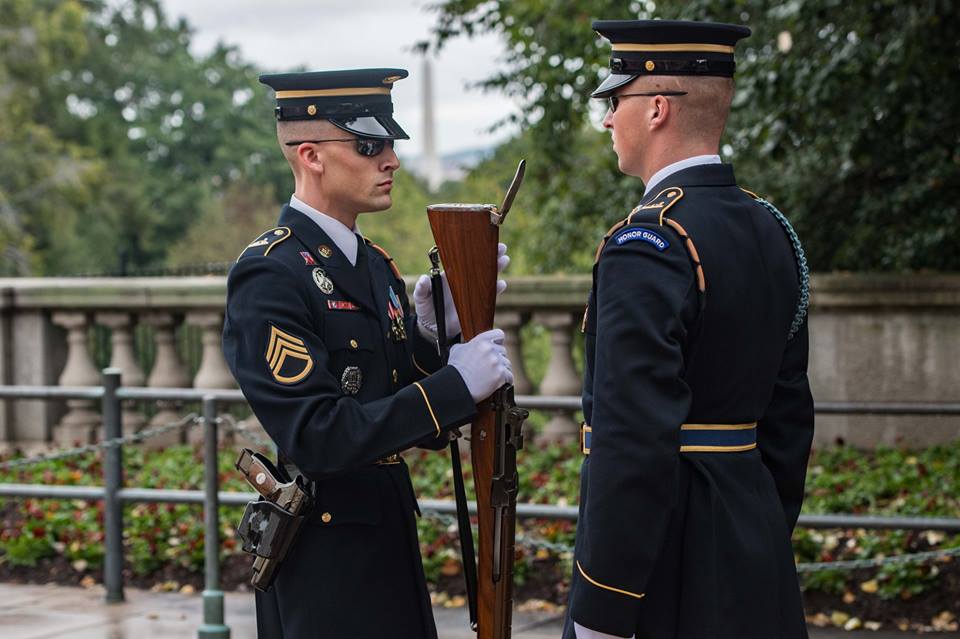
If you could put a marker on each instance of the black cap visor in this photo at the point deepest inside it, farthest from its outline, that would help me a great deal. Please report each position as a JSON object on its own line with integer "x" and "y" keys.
{"x": 377, "y": 126}
{"x": 613, "y": 82}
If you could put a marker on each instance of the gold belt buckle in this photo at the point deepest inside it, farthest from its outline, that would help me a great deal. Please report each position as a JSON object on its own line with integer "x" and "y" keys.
{"x": 388, "y": 461}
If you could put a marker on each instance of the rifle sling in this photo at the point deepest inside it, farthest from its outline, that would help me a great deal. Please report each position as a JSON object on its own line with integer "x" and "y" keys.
{"x": 467, "y": 553}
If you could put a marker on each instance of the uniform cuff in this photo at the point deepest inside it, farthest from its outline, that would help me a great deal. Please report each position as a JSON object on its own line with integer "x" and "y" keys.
{"x": 600, "y": 609}
{"x": 447, "y": 402}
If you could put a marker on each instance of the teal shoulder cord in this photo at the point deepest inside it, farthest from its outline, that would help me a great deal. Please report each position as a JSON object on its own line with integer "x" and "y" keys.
{"x": 803, "y": 271}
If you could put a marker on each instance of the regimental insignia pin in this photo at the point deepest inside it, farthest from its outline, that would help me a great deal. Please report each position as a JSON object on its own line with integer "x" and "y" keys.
{"x": 324, "y": 283}
{"x": 325, "y": 251}
{"x": 398, "y": 332}
{"x": 351, "y": 380}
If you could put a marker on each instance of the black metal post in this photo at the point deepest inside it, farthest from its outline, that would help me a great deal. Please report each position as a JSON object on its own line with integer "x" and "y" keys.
{"x": 112, "y": 483}
{"x": 213, "y": 626}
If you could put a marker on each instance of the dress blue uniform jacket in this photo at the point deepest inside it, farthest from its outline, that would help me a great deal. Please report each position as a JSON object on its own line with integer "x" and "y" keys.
{"x": 693, "y": 544}
{"x": 338, "y": 391}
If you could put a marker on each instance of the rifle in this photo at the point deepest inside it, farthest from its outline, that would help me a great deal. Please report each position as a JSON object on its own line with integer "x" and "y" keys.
{"x": 467, "y": 237}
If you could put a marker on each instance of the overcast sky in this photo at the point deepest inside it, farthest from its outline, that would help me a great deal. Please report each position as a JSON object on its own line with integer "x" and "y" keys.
{"x": 343, "y": 34}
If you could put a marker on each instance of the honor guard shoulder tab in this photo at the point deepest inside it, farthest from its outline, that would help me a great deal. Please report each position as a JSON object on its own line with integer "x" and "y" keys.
{"x": 266, "y": 242}
{"x": 386, "y": 256}
{"x": 654, "y": 212}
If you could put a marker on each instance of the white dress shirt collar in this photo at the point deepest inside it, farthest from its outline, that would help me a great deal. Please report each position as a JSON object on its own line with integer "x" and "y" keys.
{"x": 344, "y": 238}
{"x": 670, "y": 169}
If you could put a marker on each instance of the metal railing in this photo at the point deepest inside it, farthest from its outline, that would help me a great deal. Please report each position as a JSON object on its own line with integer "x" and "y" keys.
{"x": 114, "y": 494}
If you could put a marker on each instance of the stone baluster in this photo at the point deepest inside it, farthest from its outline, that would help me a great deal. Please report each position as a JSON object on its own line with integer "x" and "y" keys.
{"x": 213, "y": 371}
{"x": 561, "y": 377}
{"x": 79, "y": 424}
{"x": 168, "y": 372}
{"x": 511, "y": 322}
{"x": 121, "y": 327}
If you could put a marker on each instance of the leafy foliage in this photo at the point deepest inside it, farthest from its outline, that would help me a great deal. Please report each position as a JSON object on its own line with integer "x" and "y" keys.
{"x": 884, "y": 482}
{"x": 120, "y": 137}
{"x": 841, "y": 114}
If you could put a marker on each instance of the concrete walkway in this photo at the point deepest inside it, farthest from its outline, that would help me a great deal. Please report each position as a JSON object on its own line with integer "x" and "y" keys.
{"x": 60, "y": 612}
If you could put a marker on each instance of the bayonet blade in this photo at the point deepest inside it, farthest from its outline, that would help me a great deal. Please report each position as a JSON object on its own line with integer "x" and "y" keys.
{"x": 512, "y": 191}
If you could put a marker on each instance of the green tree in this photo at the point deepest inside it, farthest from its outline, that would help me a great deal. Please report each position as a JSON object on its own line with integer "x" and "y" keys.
{"x": 121, "y": 138}
{"x": 41, "y": 175}
{"x": 234, "y": 219}
{"x": 843, "y": 117}
{"x": 403, "y": 231}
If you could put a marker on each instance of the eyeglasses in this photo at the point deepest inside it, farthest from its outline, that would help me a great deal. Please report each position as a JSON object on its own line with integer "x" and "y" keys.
{"x": 367, "y": 147}
{"x": 614, "y": 100}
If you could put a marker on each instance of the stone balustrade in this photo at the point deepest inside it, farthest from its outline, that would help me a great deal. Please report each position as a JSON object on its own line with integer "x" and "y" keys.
{"x": 874, "y": 337}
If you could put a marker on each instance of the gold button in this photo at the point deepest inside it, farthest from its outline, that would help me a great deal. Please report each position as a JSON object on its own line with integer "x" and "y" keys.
{"x": 650, "y": 66}
{"x": 395, "y": 376}
{"x": 326, "y": 517}
{"x": 312, "y": 109}
{"x": 354, "y": 344}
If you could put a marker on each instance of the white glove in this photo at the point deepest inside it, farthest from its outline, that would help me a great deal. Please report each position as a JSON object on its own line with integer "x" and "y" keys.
{"x": 482, "y": 363}
{"x": 423, "y": 299}
{"x": 586, "y": 633}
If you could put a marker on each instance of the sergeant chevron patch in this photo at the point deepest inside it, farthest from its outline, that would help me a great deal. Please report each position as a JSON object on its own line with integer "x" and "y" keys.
{"x": 288, "y": 357}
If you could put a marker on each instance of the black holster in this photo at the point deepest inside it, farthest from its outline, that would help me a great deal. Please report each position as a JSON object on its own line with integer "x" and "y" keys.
{"x": 267, "y": 530}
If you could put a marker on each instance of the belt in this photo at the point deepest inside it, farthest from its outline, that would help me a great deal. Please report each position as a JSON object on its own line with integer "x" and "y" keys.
{"x": 701, "y": 438}
{"x": 389, "y": 461}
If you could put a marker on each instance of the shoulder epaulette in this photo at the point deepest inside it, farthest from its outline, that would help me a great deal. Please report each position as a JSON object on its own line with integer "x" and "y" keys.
{"x": 386, "y": 256}
{"x": 659, "y": 206}
{"x": 662, "y": 202}
{"x": 803, "y": 270}
{"x": 267, "y": 241}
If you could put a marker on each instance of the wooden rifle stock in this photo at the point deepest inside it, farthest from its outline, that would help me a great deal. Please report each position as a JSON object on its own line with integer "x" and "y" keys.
{"x": 467, "y": 236}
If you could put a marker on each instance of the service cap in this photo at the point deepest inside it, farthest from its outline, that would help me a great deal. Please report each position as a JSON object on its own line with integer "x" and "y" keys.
{"x": 667, "y": 47}
{"x": 355, "y": 100}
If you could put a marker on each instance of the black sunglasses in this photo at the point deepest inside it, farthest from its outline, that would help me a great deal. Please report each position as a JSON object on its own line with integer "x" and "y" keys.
{"x": 367, "y": 147}
{"x": 614, "y": 100}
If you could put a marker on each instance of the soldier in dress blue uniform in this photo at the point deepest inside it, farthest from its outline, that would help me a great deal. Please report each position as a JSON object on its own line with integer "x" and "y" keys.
{"x": 339, "y": 369}
{"x": 698, "y": 413}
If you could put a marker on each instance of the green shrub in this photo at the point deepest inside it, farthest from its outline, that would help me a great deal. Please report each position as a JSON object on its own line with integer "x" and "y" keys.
{"x": 883, "y": 482}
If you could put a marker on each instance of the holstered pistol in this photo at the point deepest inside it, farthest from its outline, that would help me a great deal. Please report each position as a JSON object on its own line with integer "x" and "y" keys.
{"x": 270, "y": 525}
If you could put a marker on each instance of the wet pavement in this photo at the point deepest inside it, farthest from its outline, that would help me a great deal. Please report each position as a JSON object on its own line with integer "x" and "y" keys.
{"x": 60, "y": 612}
{"x": 55, "y": 612}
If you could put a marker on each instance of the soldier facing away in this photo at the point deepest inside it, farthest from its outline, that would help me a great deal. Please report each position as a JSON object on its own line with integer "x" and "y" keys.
{"x": 341, "y": 372}
{"x": 698, "y": 413}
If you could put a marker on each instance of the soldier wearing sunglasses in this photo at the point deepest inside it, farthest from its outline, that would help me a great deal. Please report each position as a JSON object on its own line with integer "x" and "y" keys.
{"x": 341, "y": 371}
{"x": 698, "y": 413}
